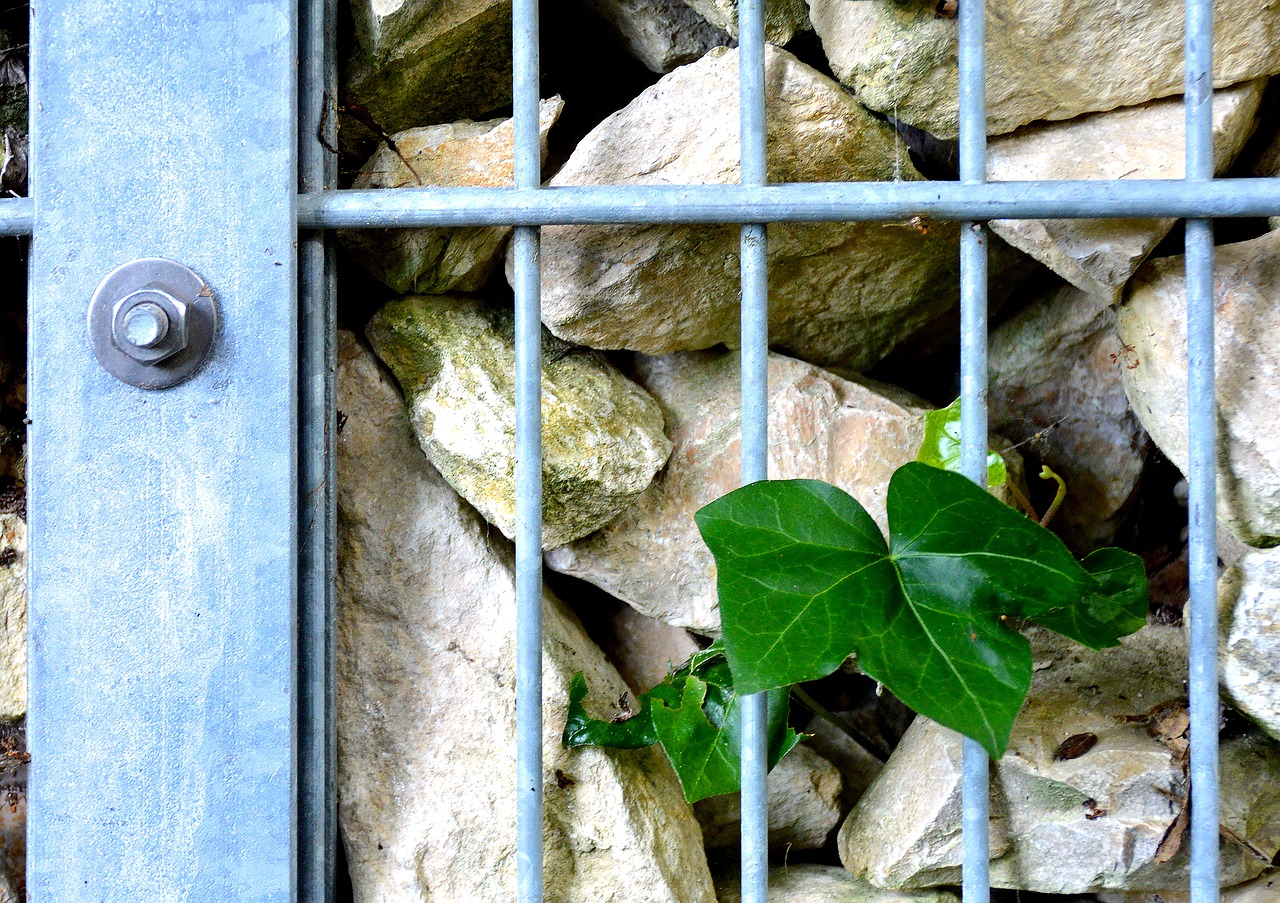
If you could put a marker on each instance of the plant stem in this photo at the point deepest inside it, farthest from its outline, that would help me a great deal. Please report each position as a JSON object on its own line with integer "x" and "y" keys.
{"x": 1047, "y": 474}
{"x": 839, "y": 724}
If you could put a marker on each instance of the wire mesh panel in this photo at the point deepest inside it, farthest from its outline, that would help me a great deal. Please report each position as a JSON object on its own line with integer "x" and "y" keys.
{"x": 754, "y": 205}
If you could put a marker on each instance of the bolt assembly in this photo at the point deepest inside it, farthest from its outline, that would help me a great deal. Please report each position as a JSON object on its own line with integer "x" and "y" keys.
{"x": 149, "y": 325}
{"x": 152, "y": 322}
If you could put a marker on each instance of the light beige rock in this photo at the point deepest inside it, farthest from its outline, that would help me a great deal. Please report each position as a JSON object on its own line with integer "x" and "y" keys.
{"x": 460, "y": 154}
{"x": 662, "y": 34}
{"x": 1152, "y": 321}
{"x": 782, "y": 18}
{"x": 1143, "y": 142}
{"x": 808, "y": 883}
{"x": 803, "y": 799}
{"x": 602, "y": 440}
{"x": 1055, "y": 385}
{"x": 1044, "y": 61}
{"x": 422, "y": 62}
{"x": 426, "y": 700}
{"x": 820, "y": 427}
{"x": 857, "y": 767}
{"x": 1249, "y": 638}
{"x": 13, "y": 617}
{"x": 1263, "y": 889}
{"x": 1078, "y": 825}
{"x": 839, "y": 293}
{"x": 643, "y": 649}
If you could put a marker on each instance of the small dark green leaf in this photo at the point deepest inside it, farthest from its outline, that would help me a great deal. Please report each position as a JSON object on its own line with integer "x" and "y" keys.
{"x": 941, "y": 446}
{"x": 693, "y": 713}
{"x": 806, "y": 579}
{"x": 581, "y": 729}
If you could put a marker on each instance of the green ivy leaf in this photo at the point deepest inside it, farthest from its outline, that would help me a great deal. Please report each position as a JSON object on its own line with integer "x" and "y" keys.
{"x": 941, "y": 446}
{"x": 694, "y": 714}
{"x": 580, "y": 729}
{"x": 806, "y": 579}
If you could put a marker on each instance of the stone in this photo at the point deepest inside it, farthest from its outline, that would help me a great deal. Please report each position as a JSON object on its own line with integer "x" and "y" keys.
{"x": 1152, "y": 325}
{"x": 643, "y": 649}
{"x": 602, "y": 439}
{"x": 810, "y": 883}
{"x": 1263, "y": 889}
{"x": 1143, "y": 142}
{"x": 13, "y": 617}
{"x": 1249, "y": 638}
{"x": 840, "y": 293}
{"x": 782, "y": 18}
{"x": 14, "y": 115}
{"x": 1044, "y": 61}
{"x": 1076, "y": 822}
{"x": 1055, "y": 385}
{"x": 820, "y": 427}
{"x": 662, "y": 34}
{"x": 13, "y": 814}
{"x": 803, "y": 799}
{"x": 422, "y": 62}
{"x": 459, "y": 154}
{"x": 857, "y": 767}
{"x": 426, "y": 699}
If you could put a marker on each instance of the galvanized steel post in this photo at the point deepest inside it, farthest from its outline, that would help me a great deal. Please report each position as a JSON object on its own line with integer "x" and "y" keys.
{"x": 528, "y": 316}
{"x": 755, "y": 422}
{"x": 317, "y": 463}
{"x": 164, "y": 523}
{"x": 973, "y": 403}
{"x": 1202, "y": 489}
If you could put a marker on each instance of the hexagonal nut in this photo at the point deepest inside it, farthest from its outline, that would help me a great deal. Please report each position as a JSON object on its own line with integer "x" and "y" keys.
{"x": 149, "y": 324}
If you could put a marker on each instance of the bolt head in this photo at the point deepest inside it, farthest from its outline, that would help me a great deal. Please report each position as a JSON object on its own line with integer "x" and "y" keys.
{"x": 150, "y": 325}
{"x": 146, "y": 325}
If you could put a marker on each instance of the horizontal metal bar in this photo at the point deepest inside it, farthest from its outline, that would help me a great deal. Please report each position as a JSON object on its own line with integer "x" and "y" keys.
{"x": 810, "y": 202}
{"x": 17, "y": 216}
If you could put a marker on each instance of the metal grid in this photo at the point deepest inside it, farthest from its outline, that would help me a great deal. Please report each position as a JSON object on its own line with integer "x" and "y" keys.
{"x": 753, "y": 204}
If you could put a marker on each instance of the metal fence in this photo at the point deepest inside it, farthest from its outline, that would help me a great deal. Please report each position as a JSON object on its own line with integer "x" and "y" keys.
{"x": 754, "y": 204}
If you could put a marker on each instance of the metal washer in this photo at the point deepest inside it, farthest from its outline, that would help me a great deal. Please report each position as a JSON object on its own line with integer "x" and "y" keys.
{"x": 179, "y": 281}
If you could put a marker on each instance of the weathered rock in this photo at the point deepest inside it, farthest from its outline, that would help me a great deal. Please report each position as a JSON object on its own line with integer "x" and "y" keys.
{"x": 1083, "y": 823}
{"x": 421, "y": 62}
{"x": 782, "y": 18}
{"x": 1152, "y": 324}
{"x": 662, "y": 34}
{"x": 1043, "y": 61}
{"x": 458, "y": 154}
{"x": 820, "y": 427}
{"x": 1263, "y": 889}
{"x": 13, "y": 815}
{"x": 455, "y": 359}
{"x": 13, "y": 617}
{"x": 426, "y": 711}
{"x": 1055, "y": 384}
{"x": 857, "y": 767}
{"x": 643, "y": 649}
{"x": 1143, "y": 142}
{"x": 1249, "y": 630}
{"x": 13, "y": 115}
{"x": 808, "y": 883}
{"x": 840, "y": 293}
{"x": 804, "y": 805}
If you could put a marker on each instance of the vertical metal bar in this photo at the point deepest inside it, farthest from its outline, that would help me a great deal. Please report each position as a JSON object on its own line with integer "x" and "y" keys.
{"x": 317, "y": 463}
{"x": 755, "y": 423}
{"x": 973, "y": 393}
{"x": 528, "y": 315}
{"x": 1202, "y": 433}
{"x": 164, "y": 524}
